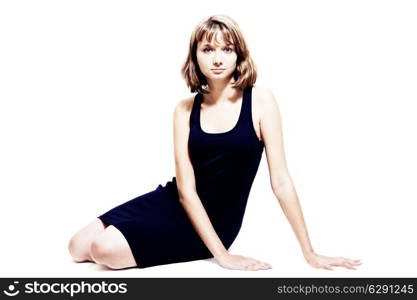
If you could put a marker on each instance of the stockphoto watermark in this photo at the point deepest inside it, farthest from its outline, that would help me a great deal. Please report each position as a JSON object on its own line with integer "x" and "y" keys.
{"x": 72, "y": 288}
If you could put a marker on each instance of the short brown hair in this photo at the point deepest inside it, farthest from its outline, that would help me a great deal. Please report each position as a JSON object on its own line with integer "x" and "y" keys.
{"x": 245, "y": 72}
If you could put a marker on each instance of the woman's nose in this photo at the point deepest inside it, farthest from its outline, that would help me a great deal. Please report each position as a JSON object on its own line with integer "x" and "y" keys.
{"x": 217, "y": 59}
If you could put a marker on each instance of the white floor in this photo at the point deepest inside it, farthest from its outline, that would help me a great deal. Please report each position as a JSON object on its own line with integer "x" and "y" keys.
{"x": 37, "y": 247}
{"x": 56, "y": 262}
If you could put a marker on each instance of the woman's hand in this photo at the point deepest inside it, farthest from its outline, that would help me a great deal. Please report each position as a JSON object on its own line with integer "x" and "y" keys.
{"x": 326, "y": 262}
{"x": 239, "y": 262}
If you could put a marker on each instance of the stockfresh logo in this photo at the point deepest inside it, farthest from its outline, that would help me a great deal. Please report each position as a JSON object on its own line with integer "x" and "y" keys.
{"x": 12, "y": 289}
{"x": 71, "y": 288}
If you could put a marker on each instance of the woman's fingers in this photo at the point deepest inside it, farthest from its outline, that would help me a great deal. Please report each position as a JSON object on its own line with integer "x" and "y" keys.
{"x": 348, "y": 265}
{"x": 352, "y": 261}
{"x": 327, "y": 267}
{"x": 266, "y": 266}
{"x": 257, "y": 265}
{"x": 262, "y": 264}
{"x": 239, "y": 262}
{"x": 254, "y": 266}
{"x": 327, "y": 262}
{"x": 344, "y": 262}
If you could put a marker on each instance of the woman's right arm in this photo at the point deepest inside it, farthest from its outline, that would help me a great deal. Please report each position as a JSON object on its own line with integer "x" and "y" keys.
{"x": 186, "y": 181}
{"x": 190, "y": 200}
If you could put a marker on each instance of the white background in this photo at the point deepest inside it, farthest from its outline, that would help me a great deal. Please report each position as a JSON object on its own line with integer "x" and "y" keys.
{"x": 87, "y": 92}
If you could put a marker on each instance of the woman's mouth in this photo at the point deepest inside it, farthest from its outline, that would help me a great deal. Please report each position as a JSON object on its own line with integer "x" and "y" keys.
{"x": 218, "y": 70}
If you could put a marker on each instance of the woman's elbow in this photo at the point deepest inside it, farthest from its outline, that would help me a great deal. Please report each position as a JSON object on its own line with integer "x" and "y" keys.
{"x": 186, "y": 193}
{"x": 279, "y": 183}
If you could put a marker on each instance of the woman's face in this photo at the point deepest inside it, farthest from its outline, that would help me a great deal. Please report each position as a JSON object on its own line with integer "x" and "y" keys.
{"x": 216, "y": 59}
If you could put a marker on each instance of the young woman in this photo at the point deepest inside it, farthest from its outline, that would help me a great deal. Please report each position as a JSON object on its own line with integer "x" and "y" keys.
{"x": 219, "y": 137}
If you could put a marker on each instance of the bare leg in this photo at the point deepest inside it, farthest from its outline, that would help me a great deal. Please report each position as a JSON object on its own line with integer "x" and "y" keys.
{"x": 80, "y": 244}
{"x": 111, "y": 248}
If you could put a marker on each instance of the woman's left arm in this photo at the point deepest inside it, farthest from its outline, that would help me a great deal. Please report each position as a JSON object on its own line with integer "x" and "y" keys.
{"x": 282, "y": 184}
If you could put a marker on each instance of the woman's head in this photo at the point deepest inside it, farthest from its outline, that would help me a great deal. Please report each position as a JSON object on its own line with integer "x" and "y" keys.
{"x": 217, "y": 42}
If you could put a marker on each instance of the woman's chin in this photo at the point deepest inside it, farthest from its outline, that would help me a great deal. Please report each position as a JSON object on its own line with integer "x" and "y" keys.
{"x": 219, "y": 77}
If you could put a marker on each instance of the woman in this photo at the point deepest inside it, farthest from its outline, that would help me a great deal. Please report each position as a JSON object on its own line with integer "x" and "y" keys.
{"x": 219, "y": 137}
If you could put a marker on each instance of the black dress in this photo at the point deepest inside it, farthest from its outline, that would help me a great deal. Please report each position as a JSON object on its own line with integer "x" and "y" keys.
{"x": 156, "y": 225}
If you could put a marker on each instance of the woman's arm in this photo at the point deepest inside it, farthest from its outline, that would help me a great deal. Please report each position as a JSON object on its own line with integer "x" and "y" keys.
{"x": 280, "y": 179}
{"x": 282, "y": 184}
{"x": 191, "y": 202}
{"x": 186, "y": 181}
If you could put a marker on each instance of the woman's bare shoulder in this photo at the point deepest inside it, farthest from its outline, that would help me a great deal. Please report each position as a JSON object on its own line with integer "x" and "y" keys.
{"x": 263, "y": 98}
{"x": 262, "y": 94}
{"x": 185, "y": 105}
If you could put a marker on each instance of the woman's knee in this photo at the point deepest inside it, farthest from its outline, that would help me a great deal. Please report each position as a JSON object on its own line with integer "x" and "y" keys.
{"x": 102, "y": 252}
{"x": 111, "y": 249}
{"x": 79, "y": 244}
{"x": 75, "y": 248}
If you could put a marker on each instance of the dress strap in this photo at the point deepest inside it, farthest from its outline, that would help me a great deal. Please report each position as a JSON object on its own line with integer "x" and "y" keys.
{"x": 246, "y": 114}
{"x": 194, "y": 112}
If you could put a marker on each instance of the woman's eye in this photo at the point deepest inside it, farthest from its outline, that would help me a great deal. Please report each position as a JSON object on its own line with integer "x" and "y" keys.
{"x": 227, "y": 50}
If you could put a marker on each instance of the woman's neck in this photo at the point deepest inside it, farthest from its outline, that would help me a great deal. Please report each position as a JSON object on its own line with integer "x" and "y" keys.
{"x": 221, "y": 91}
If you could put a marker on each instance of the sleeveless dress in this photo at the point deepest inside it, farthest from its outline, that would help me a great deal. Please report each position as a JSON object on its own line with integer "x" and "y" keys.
{"x": 155, "y": 224}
